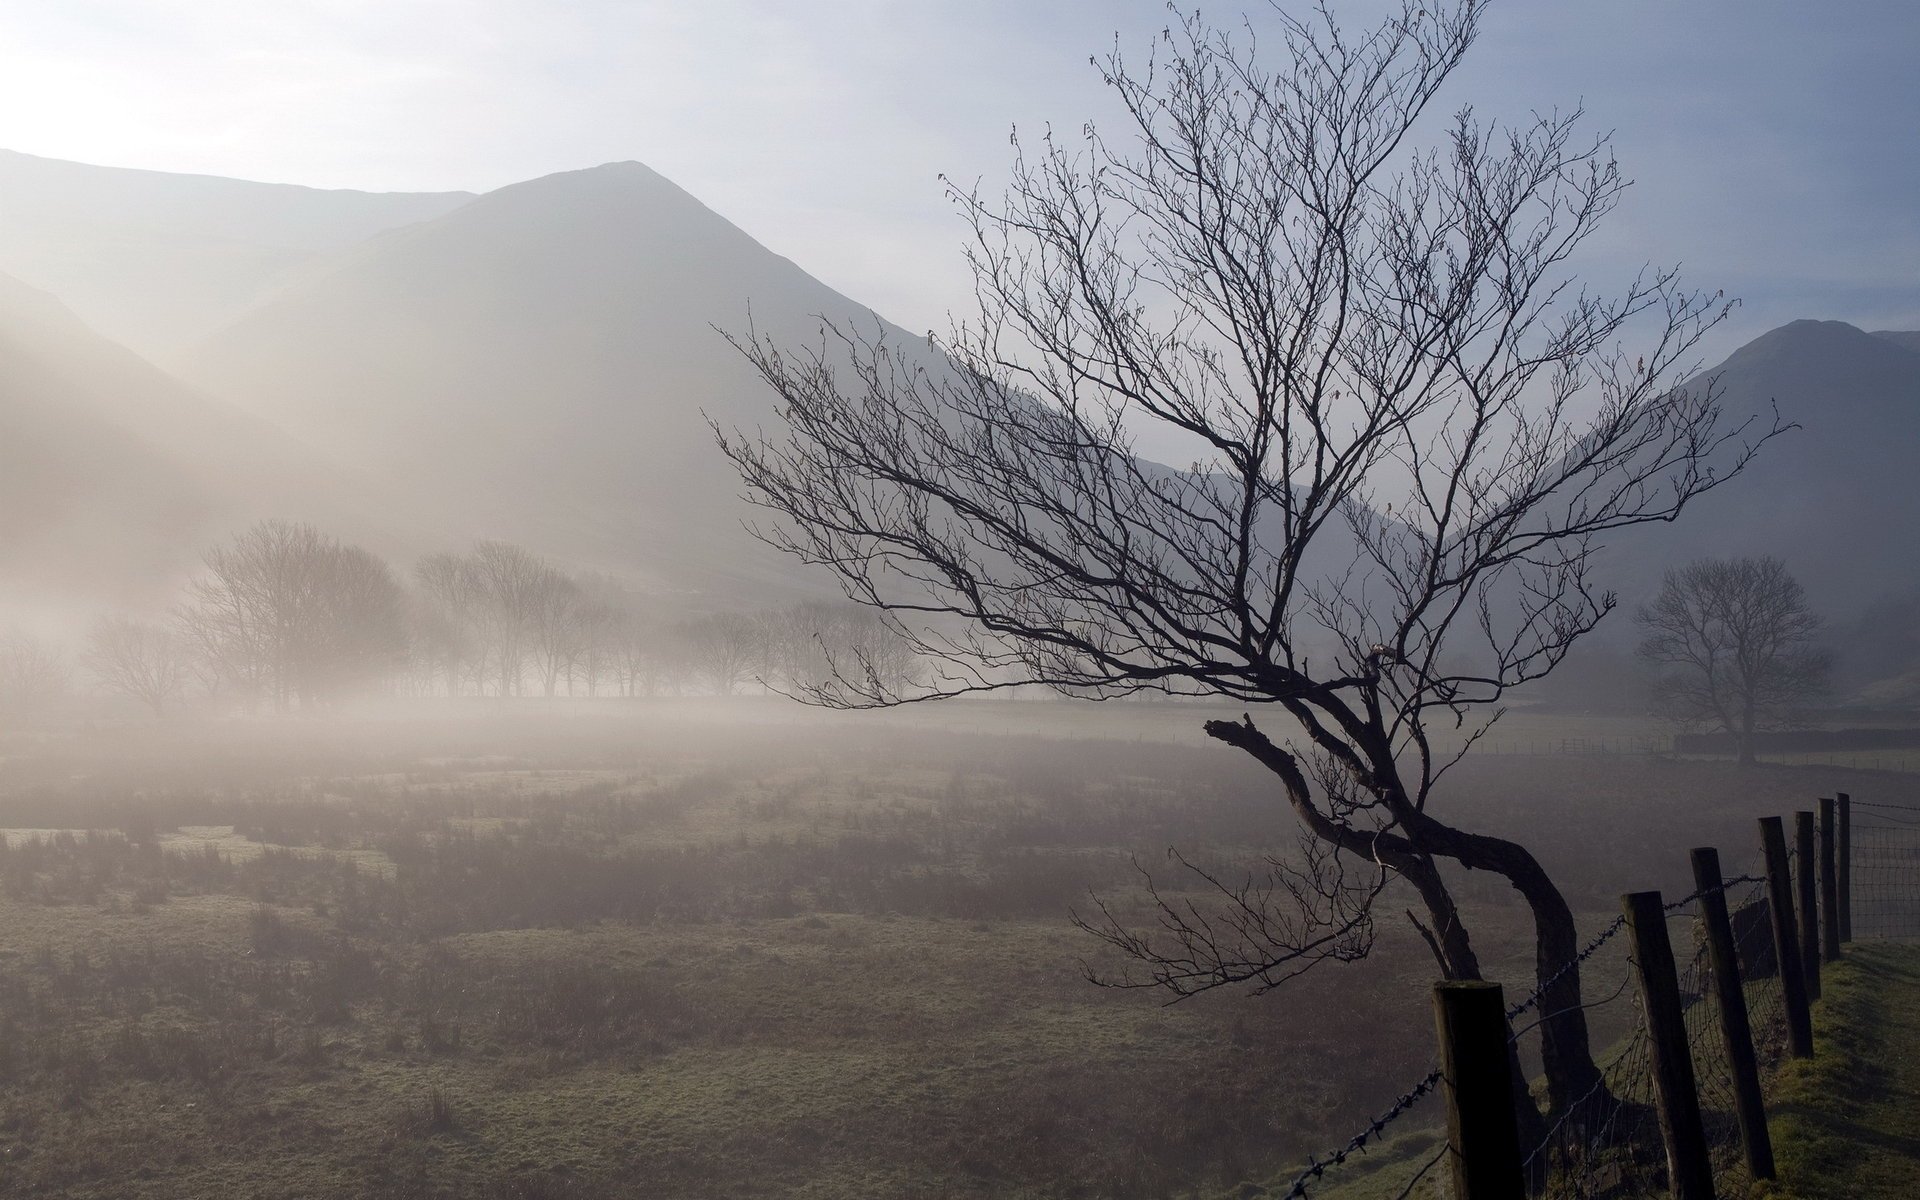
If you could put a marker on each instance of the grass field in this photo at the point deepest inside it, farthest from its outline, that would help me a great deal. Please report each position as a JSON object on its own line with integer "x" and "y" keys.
{"x": 638, "y": 951}
{"x": 1846, "y": 1123}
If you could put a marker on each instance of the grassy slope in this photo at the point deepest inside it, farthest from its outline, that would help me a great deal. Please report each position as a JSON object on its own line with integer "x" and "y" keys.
{"x": 1846, "y": 1123}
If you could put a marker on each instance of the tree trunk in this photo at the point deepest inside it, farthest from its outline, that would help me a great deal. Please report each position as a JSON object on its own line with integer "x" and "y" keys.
{"x": 1565, "y": 1048}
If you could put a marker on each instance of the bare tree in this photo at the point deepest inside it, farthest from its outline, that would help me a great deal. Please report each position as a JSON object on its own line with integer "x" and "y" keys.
{"x": 289, "y": 614}
{"x": 33, "y": 674}
{"x": 1410, "y": 426}
{"x": 725, "y": 649}
{"x": 147, "y": 662}
{"x": 812, "y": 646}
{"x": 1734, "y": 641}
{"x": 553, "y": 619}
{"x": 510, "y": 605}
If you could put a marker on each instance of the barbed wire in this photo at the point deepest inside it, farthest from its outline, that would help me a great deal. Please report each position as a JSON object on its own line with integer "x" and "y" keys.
{"x": 1534, "y": 998}
{"x": 1317, "y": 1167}
{"x": 1608, "y": 1129}
{"x": 1912, "y": 808}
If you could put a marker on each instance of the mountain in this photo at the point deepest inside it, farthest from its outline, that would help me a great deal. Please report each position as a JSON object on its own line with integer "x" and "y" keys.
{"x": 156, "y": 261}
{"x": 114, "y": 475}
{"x": 1838, "y": 498}
{"x": 86, "y": 504}
{"x": 541, "y": 364}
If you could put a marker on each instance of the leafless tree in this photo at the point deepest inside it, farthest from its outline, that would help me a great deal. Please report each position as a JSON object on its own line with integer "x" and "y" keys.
{"x": 508, "y": 604}
{"x": 1734, "y": 641}
{"x": 144, "y": 661}
{"x": 442, "y": 656}
{"x": 553, "y": 622}
{"x": 1409, "y": 424}
{"x": 725, "y": 649}
{"x": 288, "y": 614}
{"x": 812, "y": 646}
{"x": 33, "y": 674}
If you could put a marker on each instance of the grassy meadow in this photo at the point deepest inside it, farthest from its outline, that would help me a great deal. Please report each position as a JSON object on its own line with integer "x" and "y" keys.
{"x": 673, "y": 949}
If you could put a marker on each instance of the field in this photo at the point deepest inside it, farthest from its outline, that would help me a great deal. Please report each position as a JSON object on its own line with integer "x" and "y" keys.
{"x": 731, "y": 949}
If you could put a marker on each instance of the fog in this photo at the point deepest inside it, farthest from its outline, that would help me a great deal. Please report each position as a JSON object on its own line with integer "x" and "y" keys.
{"x": 529, "y": 692}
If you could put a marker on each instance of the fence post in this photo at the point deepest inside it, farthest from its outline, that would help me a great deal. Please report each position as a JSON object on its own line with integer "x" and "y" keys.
{"x": 1786, "y": 946}
{"x": 1736, "y": 1031}
{"x": 1471, "y": 1020}
{"x": 1829, "y": 885}
{"x": 1807, "y": 906}
{"x": 1846, "y": 866}
{"x": 1675, "y": 1094}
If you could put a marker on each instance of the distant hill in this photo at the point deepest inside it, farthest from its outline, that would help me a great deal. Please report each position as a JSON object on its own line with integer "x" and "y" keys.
{"x": 534, "y": 364}
{"x": 156, "y": 261}
{"x": 86, "y": 504}
{"x": 538, "y": 362}
{"x": 1909, "y": 339}
{"x": 1838, "y": 499}
{"x": 114, "y": 475}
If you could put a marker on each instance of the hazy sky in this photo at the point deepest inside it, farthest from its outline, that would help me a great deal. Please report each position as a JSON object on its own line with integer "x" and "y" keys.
{"x": 1776, "y": 143}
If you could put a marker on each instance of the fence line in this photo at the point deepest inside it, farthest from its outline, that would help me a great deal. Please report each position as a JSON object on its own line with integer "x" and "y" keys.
{"x": 1608, "y": 1142}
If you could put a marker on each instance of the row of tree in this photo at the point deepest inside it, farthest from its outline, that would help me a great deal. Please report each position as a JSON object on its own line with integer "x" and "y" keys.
{"x": 287, "y": 617}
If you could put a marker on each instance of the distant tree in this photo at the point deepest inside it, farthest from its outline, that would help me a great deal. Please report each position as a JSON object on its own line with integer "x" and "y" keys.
{"x": 149, "y": 663}
{"x": 1735, "y": 644}
{"x": 33, "y": 674}
{"x": 289, "y": 615}
{"x": 1412, "y": 425}
{"x": 508, "y": 604}
{"x": 812, "y": 645}
{"x": 554, "y": 612}
{"x": 441, "y": 653}
{"x": 725, "y": 649}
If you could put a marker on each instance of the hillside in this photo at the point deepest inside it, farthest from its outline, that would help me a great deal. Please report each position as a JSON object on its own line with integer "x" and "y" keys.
{"x": 1837, "y": 498}
{"x": 86, "y": 504}
{"x": 157, "y": 260}
{"x": 538, "y": 364}
{"x": 113, "y": 475}
{"x": 1909, "y": 339}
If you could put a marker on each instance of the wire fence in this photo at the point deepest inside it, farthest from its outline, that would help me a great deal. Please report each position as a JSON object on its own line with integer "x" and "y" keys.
{"x": 1607, "y": 1142}
{"x": 1886, "y": 870}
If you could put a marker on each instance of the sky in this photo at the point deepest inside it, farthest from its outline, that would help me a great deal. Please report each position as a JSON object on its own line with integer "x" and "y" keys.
{"x": 1775, "y": 144}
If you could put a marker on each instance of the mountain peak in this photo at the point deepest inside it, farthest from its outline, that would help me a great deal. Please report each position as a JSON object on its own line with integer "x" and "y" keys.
{"x": 611, "y": 190}
{"x": 1813, "y": 356}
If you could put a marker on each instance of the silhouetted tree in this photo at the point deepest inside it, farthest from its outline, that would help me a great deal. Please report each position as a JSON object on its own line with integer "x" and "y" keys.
{"x": 1734, "y": 642}
{"x": 1410, "y": 424}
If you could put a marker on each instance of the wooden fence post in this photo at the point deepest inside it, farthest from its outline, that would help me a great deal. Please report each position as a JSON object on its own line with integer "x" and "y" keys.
{"x": 1676, "y": 1097}
{"x": 1471, "y": 1019}
{"x": 1846, "y": 866}
{"x": 1829, "y": 885}
{"x": 1808, "y": 907}
{"x": 1736, "y": 1031}
{"x": 1786, "y": 946}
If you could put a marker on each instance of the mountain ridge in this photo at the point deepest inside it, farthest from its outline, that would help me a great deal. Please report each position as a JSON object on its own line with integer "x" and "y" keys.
{"x": 154, "y": 258}
{"x": 539, "y": 363}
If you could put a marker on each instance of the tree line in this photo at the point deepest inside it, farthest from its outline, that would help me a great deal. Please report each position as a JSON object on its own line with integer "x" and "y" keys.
{"x": 285, "y": 617}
